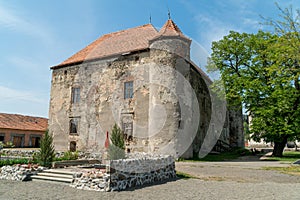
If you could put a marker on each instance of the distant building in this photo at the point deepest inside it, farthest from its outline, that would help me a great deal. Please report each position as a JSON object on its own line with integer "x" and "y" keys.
{"x": 22, "y": 131}
{"x": 107, "y": 82}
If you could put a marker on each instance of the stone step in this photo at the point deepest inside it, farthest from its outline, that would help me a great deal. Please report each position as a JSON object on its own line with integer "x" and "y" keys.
{"x": 56, "y": 171}
{"x": 55, "y": 175}
{"x": 54, "y": 179}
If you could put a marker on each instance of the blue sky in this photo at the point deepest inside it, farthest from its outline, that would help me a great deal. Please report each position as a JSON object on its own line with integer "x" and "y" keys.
{"x": 36, "y": 35}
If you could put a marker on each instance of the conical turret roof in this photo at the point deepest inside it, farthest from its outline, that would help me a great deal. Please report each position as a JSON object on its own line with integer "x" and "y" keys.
{"x": 170, "y": 29}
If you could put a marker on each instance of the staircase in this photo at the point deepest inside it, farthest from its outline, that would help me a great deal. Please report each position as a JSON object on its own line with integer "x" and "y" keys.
{"x": 54, "y": 175}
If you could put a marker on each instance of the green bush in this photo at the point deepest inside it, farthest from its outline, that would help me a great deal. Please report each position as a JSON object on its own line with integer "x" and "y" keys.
{"x": 69, "y": 155}
{"x": 8, "y": 144}
{"x": 116, "y": 150}
{"x": 46, "y": 154}
{"x": 13, "y": 162}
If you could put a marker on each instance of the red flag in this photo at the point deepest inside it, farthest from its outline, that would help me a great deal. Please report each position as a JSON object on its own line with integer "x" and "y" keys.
{"x": 106, "y": 144}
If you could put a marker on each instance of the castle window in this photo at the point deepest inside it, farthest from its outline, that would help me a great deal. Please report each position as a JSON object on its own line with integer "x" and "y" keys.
{"x": 72, "y": 146}
{"x": 128, "y": 90}
{"x": 75, "y": 95}
{"x": 127, "y": 128}
{"x": 74, "y": 123}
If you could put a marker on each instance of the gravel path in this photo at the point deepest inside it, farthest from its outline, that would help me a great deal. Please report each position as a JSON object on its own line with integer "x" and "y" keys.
{"x": 224, "y": 180}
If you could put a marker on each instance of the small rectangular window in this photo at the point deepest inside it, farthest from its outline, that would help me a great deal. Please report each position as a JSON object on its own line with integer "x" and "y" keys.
{"x": 2, "y": 136}
{"x": 74, "y": 124}
{"x": 127, "y": 128}
{"x": 128, "y": 90}
{"x": 34, "y": 141}
{"x": 75, "y": 95}
{"x": 18, "y": 139}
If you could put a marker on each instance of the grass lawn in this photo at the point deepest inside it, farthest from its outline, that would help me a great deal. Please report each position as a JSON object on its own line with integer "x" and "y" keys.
{"x": 288, "y": 156}
{"x": 222, "y": 156}
{"x": 292, "y": 170}
{"x": 183, "y": 175}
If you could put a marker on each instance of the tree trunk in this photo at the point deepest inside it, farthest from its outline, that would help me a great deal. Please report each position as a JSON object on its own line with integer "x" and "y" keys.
{"x": 279, "y": 147}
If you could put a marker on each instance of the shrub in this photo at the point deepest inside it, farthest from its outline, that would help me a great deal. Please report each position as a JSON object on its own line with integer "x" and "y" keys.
{"x": 8, "y": 144}
{"x": 46, "y": 154}
{"x": 68, "y": 155}
{"x": 116, "y": 150}
{"x": 13, "y": 161}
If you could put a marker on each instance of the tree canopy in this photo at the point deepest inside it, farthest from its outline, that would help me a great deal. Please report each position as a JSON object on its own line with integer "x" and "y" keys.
{"x": 261, "y": 71}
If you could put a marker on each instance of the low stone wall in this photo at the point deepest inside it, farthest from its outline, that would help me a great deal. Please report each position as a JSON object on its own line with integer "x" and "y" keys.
{"x": 97, "y": 180}
{"x": 67, "y": 163}
{"x": 24, "y": 153}
{"x": 137, "y": 172}
{"x": 28, "y": 153}
{"x": 127, "y": 173}
{"x": 19, "y": 172}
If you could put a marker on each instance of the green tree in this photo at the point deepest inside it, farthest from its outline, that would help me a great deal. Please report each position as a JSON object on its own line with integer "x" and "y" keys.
{"x": 116, "y": 150}
{"x": 46, "y": 154}
{"x": 262, "y": 71}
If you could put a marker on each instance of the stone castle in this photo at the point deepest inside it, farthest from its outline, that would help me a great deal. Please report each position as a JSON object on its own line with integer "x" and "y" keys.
{"x": 143, "y": 80}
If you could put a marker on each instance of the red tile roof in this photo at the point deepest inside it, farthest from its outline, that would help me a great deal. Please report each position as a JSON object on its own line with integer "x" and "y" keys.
{"x": 124, "y": 41}
{"x": 132, "y": 39}
{"x": 170, "y": 29}
{"x": 21, "y": 122}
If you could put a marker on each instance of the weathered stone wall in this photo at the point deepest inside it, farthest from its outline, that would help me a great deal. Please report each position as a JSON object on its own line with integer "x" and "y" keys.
{"x": 127, "y": 173}
{"x": 102, "y": 102}
{"x": 92, "y": 180}
{"x": 137, "y": 172}
{"x": 24, "y": 153}
{"x": 201, "y": 89}
{"x": 18, "y": 153}
{"x": 19, "y": 172}
{"x": 175, "y": 45}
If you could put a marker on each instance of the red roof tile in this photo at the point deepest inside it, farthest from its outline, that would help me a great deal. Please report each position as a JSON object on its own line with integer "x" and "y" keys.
{"x": 170, "y": 29}
{"x": 133, "y": 39}
{"x": 124, "y": 41}
{"x": 21, "y": 122}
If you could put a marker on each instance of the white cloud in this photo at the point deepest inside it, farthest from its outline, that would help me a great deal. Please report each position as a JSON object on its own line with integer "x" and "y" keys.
{"x": 9, "y": 94}
{"x": 253, "y": 23}
{"x": 215, "y": 29}
{"x": 14, "y": 20}
{"x": 24, "y": 63}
